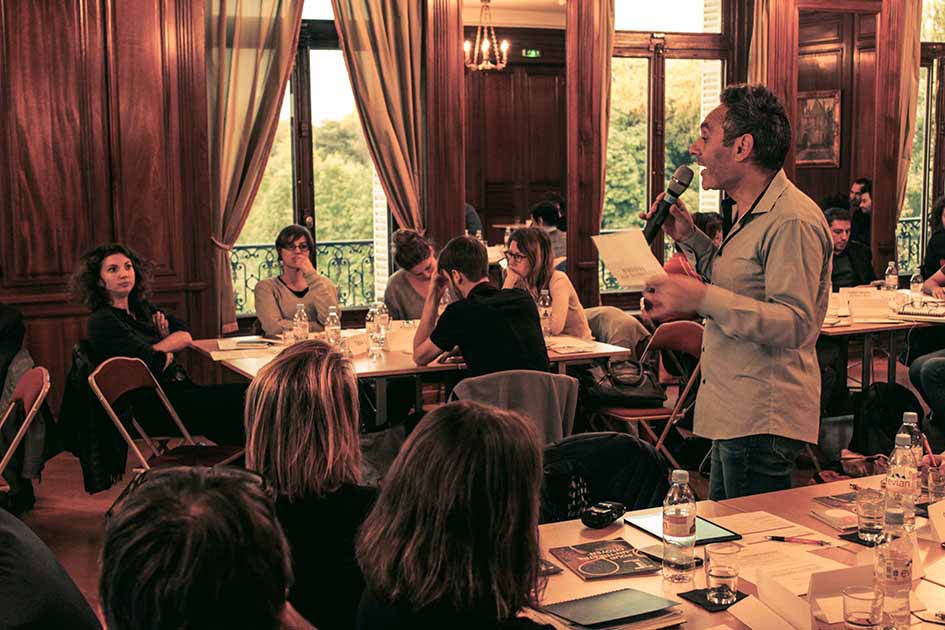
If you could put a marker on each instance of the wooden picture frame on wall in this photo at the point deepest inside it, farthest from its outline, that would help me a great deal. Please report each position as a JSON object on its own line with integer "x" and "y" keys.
{"x": 817, "y": 137}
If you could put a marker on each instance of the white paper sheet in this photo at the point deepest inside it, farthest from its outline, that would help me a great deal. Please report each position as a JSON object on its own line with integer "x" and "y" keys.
{"x": 754, "y": 614}
{"x": 831, "y": 608}
{"x": 228, "y": 355}
{"x": 245, "y": 343}
{"x": 751, "y": 522}
{"x": 790, "y": 567}
{"x": 628, "y": 257}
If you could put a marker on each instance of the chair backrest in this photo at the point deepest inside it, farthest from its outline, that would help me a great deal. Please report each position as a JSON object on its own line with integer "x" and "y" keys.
{"x": 117, "y": 376}
{"x": 681, "y": 336}
{"x": 601, "y": 466}
{"x": 30, "y": 391}
{"x": 548, "y": 399}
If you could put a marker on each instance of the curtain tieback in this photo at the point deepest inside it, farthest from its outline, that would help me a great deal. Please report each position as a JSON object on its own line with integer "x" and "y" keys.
{"x": 221, "y": 244}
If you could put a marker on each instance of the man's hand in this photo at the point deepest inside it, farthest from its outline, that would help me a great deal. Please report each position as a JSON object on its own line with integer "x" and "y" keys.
{"x": 160, "y": 324}
{"x": 678, "y": 225}
{"x": 673, "y": 296}
{"x": 938, "y": 293}
{"x": 441, "y": 280}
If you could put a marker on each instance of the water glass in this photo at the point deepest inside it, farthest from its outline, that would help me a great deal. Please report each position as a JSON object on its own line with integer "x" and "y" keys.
{"x": 936, "y": 484}
{"x": 288, "y": 333}
{"x": 721, "y": 572}
{"x": 870, "y": 507}
{"x": 862, "y": 607}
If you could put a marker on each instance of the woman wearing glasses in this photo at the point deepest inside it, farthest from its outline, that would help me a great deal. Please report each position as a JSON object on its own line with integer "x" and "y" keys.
{"x": 302, "y": 436}
{"x": 408, "y": 287}
{"x": 531, "y": 267}
{"x": 299, "y": 283}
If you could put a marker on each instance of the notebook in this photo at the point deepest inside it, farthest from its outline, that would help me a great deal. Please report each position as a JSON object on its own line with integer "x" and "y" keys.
{"x": 624, "y": 604}
{"x": 604, "y": 558}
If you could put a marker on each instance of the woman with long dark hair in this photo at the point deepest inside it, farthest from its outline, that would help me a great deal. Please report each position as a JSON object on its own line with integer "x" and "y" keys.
{"x": 531, "y": 267}
{"x": 114, "y": 282}
{"x": 453, "y": 539}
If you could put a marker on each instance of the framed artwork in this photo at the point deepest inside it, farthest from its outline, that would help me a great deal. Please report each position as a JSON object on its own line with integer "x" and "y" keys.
{"x": 818, "y": 129}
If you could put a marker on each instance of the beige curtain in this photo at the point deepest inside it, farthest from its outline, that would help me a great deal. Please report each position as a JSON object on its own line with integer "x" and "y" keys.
{"x": 909, "y": 66}
{"x": 758, "y": 51}
{"x": 605, "y": 50}
{"x": 251, "y": 47}
{"x": 382, "y": 42}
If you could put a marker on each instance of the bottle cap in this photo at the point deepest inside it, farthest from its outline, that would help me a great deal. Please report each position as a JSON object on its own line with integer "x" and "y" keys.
{"x": 545, "y": 292}
{"x": 894, "y": 516}
{"x": 903, "y": 439}
{"x": 680, "y": 476}
{"x": 910, "y": 417}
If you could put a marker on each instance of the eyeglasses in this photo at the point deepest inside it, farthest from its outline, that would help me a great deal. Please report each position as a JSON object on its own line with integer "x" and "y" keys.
{"x": 514, "y": 256}
{"x": 236, "y": 475}
{"x": 299, "y": 247}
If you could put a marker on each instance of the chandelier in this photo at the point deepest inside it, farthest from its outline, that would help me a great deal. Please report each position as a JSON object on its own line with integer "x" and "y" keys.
{"x": 485, "y": 54}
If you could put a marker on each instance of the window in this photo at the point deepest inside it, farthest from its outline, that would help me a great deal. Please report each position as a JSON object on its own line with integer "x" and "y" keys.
{"x": 922, "y": 188}
{"x": 324, "y": 179}
{"x": 662, "y": 87}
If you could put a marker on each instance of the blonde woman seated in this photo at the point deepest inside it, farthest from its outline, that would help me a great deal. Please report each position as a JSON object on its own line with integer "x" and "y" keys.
{"x": 453, "y": 540}
{"x": 302, "y": 436}
{"x": 531, "y": 267}
{"x": 299, "y": 283}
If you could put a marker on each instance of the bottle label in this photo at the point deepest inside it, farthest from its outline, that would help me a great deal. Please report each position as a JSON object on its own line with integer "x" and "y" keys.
{"x": 894, "y": 573}
{"x": 899, "y": 483}
{"x": 679, "y": 525}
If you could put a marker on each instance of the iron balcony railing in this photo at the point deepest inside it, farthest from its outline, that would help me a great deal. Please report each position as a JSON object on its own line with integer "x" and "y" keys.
{"x": 348, "y": 264}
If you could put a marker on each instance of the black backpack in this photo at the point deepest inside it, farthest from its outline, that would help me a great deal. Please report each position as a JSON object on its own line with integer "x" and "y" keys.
{"x": 878, "y": 415}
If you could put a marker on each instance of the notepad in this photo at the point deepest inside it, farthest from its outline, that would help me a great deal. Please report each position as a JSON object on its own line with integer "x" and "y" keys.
{"x": 624, "y": 604}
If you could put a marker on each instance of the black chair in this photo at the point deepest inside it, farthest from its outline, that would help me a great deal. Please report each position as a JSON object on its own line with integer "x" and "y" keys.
{"x": 590, "y": 467}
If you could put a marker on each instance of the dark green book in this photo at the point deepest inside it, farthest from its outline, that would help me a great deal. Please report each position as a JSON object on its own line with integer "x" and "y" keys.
{"x": 623, "y": 605}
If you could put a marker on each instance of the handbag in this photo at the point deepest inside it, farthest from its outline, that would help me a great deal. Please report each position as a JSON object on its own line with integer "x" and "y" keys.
{"x": 627, "y": 383}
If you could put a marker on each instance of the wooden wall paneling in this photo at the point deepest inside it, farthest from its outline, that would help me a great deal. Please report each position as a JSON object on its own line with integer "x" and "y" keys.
{"x": 863, "y": 137}
{"x": 145, "y": 133}
{"x": 475, "y": 153}
{"x": 54, "y": 183}
{"x": 445, "y": 181}
{"x": 544, "y": 124}
{"x": 782, "y": 62}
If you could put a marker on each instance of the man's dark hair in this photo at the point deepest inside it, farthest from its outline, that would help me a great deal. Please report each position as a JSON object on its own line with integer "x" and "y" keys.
{"x": 755, "y": 110}
{"x": 835, "y": 200}
{"x": 866, "y": 183}
{"x": 466, "y": 255}
{"x": 836, "y": 214}
{"x": 195, "y": 548}
{"x": 709, "y": 222}
{"x": 936, "y": 215}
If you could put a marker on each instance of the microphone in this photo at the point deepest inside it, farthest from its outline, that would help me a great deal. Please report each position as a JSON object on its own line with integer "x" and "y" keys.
{"x": 677, "y": 186}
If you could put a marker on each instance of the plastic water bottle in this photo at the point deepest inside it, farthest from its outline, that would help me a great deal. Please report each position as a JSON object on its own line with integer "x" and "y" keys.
{"x": 544, "y": 311}
{"x": 679, "y": 529}
{"x": 910, "y": 426}
{"x": 902, "y": 480}
{"x": 300, "y": 323}
{"x": 333, "y": 327}
{"x": 892, "y": 276}
{"x": 915, "y": 289}
{"x": 382, "y": 317}
{"x": 893, "y": 571}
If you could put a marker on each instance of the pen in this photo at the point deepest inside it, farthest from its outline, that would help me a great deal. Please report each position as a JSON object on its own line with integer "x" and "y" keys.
{"x": 794, "y": 539}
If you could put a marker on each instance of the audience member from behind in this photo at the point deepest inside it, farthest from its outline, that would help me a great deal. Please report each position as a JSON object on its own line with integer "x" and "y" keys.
{"x": 302, "y": 436}
{"x": 711, "y": 225}
{"x": 408, "y": 287}
{"x": 861, "y": 209}
{"x": 531, "y": 268}
{"x": 852, "y": 260}
{"x": 453, "y": 539}
{"x": 299, "y": 283}
{"x": 114, "y": 282}
{"x": 495, "y": 329}
{"x": 196, "y": 548}
{"x": 935, "y": 250}
{"x": 550, "y": 216}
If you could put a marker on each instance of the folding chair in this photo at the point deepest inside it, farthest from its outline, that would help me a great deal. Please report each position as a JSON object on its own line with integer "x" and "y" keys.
{"x": 30, "y": 392}
{"x": 681, "y": 336}
{"x": 118, "y": 376}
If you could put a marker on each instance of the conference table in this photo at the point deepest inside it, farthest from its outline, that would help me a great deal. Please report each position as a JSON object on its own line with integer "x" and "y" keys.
{"x": 867, "y": 331}
{"x": 396, "y": 360}
{"x": 793, "y": 505}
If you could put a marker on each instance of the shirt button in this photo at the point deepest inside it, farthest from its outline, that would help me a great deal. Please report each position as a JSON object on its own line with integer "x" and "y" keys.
{"x": 703, "y": 381}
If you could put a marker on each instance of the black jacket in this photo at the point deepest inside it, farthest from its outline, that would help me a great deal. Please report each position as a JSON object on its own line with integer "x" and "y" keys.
{"x": 861, "y": 259}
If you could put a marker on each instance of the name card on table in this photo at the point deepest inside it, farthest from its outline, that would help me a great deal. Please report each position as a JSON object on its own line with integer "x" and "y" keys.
{"x": 867, "y": 556}
{"x": 825, "y": 593}
{"x": 358, "y": 343}
{"x": 937, "y": 520}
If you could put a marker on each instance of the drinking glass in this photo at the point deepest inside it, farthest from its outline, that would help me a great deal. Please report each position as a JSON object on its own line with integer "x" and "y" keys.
{"x": 373, "y": 327}
{"x": 288, "y": 333}
{"x": 936, "y": 484}
{"x": 862, "y": 607}
{"x": 721, "y": 572}
{"x": 870, "y": 506}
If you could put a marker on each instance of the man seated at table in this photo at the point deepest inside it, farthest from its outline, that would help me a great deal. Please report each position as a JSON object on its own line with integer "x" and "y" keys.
{"x": 495, "y": 329}
{"x": 852, "y": 260}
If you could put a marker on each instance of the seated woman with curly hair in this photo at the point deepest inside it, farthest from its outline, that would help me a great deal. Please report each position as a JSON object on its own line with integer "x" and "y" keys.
{"x": 114, "y": 282}
{"x": 453, "y": 539}
{"x": 302, "y": 436}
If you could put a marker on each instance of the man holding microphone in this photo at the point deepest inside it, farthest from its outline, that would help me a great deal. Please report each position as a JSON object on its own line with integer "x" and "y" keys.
{"x": 769, "y": 281}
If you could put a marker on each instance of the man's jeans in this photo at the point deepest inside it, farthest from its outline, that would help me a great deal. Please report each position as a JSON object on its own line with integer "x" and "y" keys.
{"x": 751, "y": 465}
{"x": 927, "y": 374}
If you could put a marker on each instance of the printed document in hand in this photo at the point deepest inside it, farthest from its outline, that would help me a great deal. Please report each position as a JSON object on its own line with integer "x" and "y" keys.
{"x": 628, "y": 257}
